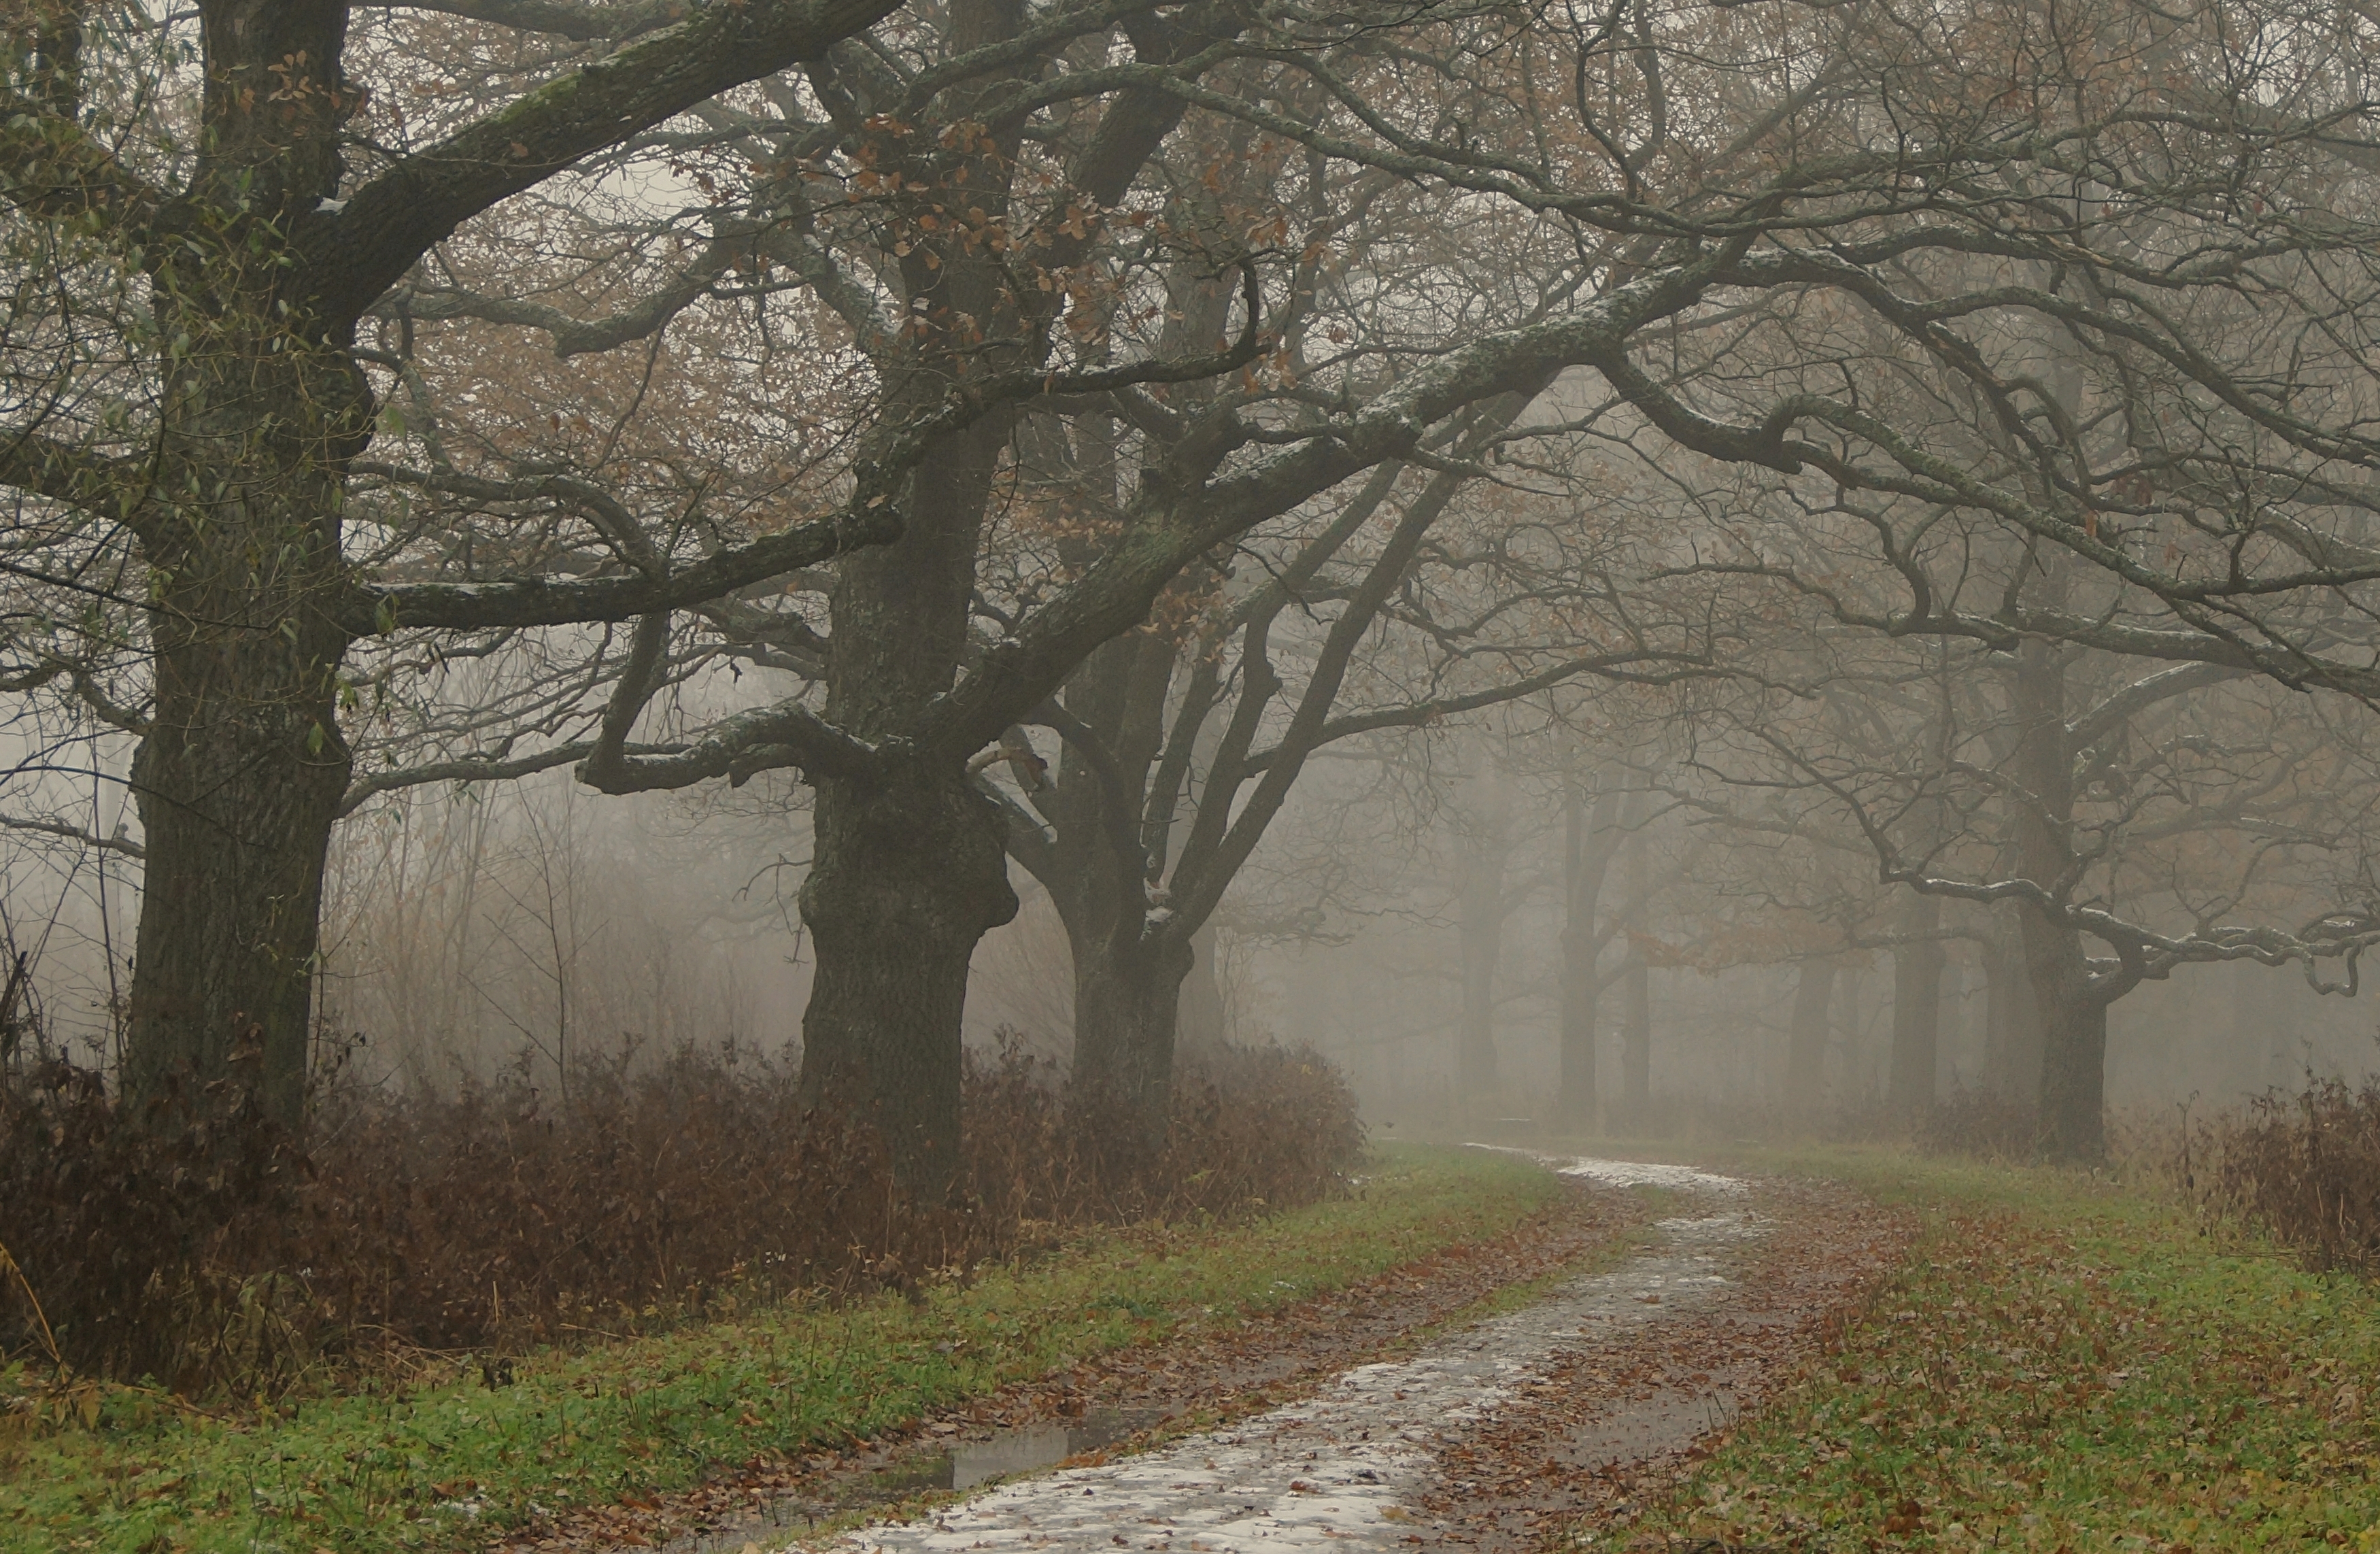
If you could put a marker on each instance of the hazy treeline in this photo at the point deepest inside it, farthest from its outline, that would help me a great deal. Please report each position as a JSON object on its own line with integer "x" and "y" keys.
{"x": 1807, "y": 555}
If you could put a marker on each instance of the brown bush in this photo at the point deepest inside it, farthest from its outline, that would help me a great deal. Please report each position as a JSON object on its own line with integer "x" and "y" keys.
{"x": 1981, "y": 1124}
{"x": 2305, "y": 1165}
{"x": 196, "y": 1246}
{"x": 126, "y": 1228}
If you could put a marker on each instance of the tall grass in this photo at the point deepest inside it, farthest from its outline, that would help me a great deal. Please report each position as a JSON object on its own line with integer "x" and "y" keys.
{"x": 2306, "y": 1166}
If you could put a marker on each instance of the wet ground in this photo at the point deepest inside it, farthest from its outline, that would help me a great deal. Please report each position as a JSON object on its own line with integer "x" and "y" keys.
{"x": 1500, "y": 1437}
{"x": 1338, "y": 1470}
{"x": 1611, "y": 1422}
{"x": 1197, "y": 1374}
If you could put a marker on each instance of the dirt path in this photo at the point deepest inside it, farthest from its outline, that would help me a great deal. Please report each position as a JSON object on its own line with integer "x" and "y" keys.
{"x": 1496, "y": 1437}
{"x": 1610, "y": 1423}
{"x": 1240, "y": 1370}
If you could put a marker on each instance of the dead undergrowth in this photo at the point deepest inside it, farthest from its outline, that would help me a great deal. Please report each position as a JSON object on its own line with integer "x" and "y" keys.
{"x": 196, "y": 1245}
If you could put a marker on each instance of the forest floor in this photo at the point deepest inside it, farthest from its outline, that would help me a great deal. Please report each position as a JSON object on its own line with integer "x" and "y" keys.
{"x": 1493, "y": 1436}
{"x": 1176, "y": 1386}
{"x": 2062, "y": 1362}
{"x": 1829, "y": 1351}
{"x": 1823, "y": 1351}
{"x": 635, "y": 1440}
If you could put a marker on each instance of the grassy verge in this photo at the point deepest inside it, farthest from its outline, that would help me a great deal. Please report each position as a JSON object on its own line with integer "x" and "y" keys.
{"x": 2062, "y": 1364}
{"x": 443, "y": 1467}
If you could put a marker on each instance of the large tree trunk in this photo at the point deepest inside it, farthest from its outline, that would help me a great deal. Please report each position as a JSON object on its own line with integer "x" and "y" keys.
{"x": 906, "y": 875}
{"x": 240, "y": 776}
{"x": 2075, "y": 1081}
{"x": 908, "y": 869}
{"x": 2073, "y": 1013}
{"x": 1805, "y": 1039}
{"x": 1127, "y": 1007}
{"x": 2011, "y": 1023}
{"x": 1917, "y": 1011}
{"x": 1134, "y": 983}
{"x": 239, "y": 781}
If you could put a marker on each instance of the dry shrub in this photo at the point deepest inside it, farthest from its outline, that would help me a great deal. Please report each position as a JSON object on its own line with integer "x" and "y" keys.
{"x": 2305, "y": 1165}
{"x": 198, "y": 1247}
{"x": 1981, "y": 1124}
{"x": 125, "y": 1229}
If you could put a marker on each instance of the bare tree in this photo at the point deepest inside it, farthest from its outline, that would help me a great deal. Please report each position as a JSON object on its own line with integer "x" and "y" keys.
{"x": 1404, "y": 608}
{"x": 191, "y": 241}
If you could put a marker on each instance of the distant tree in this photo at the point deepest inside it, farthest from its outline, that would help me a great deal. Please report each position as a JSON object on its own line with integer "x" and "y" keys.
{"x": 2166, "y": 814}
{"x": 1411, "y": 606}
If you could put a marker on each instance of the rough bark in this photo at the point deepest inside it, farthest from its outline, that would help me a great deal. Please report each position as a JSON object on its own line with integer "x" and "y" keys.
{"x": 1917, "y": 1011}
{"x": 240, "y": 776}
{"x": 1806, "y": 1037}
{"x": 907, "y": 873}
{"x": 1200, "y": 1022}
{"x": 1131, "y": 964}
{"x": 909, "y": 865}
{"x": 2072, "y": 1011}
{"x": 1127, "y": 1005}
{"x": 2075, "y": 1081}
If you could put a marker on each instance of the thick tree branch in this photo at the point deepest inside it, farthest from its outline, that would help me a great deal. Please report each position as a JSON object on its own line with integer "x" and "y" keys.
{"x": 471, "y": 768}
{"x": 50, "y": 168}
{"x": 559, "y": 19}
{"x": 737, "y": 747}
{"x": 2143, "y": 694}
{"x": 360, "y": 250}
{"x": 535, "y": 602}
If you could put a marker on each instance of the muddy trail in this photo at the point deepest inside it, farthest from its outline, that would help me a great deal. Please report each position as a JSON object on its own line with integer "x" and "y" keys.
{"x": 1192, "y": 1379}
{"x": 1348, "y": 1421}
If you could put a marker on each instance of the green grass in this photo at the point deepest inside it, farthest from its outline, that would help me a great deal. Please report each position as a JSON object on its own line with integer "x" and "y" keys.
{"x": 599, "y": 1426}
{"x": 2061, "y": 1364}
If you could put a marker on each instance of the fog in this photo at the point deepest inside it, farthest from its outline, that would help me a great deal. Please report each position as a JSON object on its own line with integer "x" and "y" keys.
{"x": 1602, "y": 609}
{"x": 538, "y": 928}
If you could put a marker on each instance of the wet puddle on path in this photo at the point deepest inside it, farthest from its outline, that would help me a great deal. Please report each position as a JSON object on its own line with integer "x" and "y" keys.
{"x": 963, "y": 1466}
{"x": 1336, "y": 1469}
